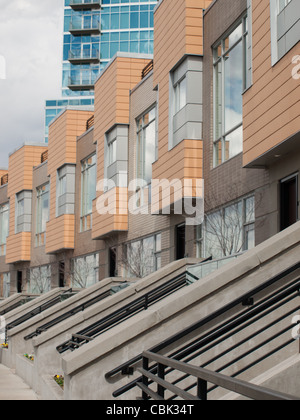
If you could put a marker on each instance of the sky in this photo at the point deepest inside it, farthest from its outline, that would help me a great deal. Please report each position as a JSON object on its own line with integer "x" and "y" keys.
{"x": 31, "y": 34}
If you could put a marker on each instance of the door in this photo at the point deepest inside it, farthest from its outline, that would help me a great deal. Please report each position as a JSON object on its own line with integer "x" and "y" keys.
{"x": 61, "y": 274}
{"x": 180, "y": 242}
{"x": 86, "y": 50}
{"x": 20, "y": 281}
{"x": 112, "y": 262}
{"x": 288, "y": 202}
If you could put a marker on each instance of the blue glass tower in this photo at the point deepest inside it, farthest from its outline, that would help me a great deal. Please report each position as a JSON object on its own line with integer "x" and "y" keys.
{"x": 94, "y": 31}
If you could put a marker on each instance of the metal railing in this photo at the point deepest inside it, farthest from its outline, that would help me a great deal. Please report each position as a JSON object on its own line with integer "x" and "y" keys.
{"x": 33, "y": 312}
{"x": 78, "y": 55}
{"x": 67, "y": 315}
{"x": 148, "y": 68}
{"x": 227, "y": 330}
{"x": 202, "y": 377}
{"x": 16, "y": 305}
{"x": 85, "y": 4}
{"x": 122, "y": 314}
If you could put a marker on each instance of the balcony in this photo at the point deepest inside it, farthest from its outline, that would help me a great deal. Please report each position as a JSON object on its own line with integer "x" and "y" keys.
{"x": 82, "y": 80}
{"x": 89, "y": 56}
{"x": 85, "y": 4}
{"x": 86, "y": 26}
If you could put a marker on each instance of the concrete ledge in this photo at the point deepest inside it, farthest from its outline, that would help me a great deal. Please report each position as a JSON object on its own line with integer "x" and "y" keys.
{"x": 50, "y": 390}
{"x": 25, "y": 369}
{"x": 216, "y": 290}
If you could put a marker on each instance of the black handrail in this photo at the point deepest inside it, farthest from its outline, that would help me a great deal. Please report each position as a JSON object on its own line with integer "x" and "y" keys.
{"x": 34, "y": 312}
{"x": 226, "y": 327}
{"x": 16, "y": 305}
{"x": 127, "y": 311}
{"x": 203, "y": 377}
{"x": 67, "y": 315}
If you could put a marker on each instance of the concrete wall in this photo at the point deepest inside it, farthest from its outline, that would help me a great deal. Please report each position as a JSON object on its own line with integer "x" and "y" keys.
{"x": 85, "y": 368}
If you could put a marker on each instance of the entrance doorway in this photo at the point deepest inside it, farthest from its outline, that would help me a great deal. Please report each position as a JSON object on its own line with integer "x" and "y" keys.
{"x": 180, "y": 241}
{"x": 288, "y": 201}
{"x": 112, "y": 262}
{"x": 61, "y": 274}
{"x": 20, "y": 281}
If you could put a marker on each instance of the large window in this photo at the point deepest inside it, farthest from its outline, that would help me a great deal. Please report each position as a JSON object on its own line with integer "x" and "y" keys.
{"x": 85, "y": 271}
{"x": 40, "y": 280}
{"x": 231, "y": 229}
{"x": 142, "y": 257}
{"x": 4, "y": 227}
{"x": 230, "y": 80}
{"x": 88, "y": 191}
{"x": 146, "y": 145}
{"x": 42, "y": 214}
{"x": 180, "y": 95}
{"x": 5, "y": 281}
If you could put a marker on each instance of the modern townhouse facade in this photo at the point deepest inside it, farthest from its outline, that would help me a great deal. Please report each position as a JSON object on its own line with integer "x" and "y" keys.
{"x": 93, "y": 33}
{"x": 215, "y": 110}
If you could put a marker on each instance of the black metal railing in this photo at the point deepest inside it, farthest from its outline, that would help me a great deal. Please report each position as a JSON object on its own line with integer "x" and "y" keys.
{"x": 127, "y": 311}
{"x": 148, "y": 68}
{"x": 203, "y": 377}
{"x": 30, "y": 314}
{"x": 67, "y": 315}
{"x": 16, "y": 305}
{"x": 229, "y": 326}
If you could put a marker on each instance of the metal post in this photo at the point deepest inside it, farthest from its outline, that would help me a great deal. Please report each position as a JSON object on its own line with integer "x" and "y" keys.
{"x": 145, "y": 379}
{"x": 161, "y": 375}
{"x": 202, "y": 390}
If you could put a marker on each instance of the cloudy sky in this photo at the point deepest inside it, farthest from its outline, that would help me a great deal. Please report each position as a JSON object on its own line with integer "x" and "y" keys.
{"x": 31, "y": 48}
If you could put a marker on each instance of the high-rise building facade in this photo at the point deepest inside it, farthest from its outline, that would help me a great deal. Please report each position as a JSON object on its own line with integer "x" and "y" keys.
{"x": 94, "y": 31}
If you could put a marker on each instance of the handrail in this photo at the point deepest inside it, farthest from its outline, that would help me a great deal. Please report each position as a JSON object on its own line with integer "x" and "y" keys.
{"x": 203, "y": 377}
{"x": 227, "y": 326}
{"x": 34, "y": 312}
{"x": 124, "y": 313}
{"x": 67, "y": 315}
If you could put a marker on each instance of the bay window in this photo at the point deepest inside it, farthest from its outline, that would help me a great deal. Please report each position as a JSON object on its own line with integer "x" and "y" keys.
{"x": 4, "y": 227}
{"x": 42, "y": 214}
{"x": 88, "y": 191}
{"x": 231, "y": 78}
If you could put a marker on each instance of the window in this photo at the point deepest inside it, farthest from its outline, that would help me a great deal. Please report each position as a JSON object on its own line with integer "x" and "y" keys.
{"x": 142, "y": 257}
{"x": 285, "y": 24}
{"x": 230, "y": 230}
{"x": 88, "y": 192}
{"x": 62, "y": 185}
{"x": 112, "y": 152}
{"x": 65, "y": 190}
{"x": 4, "y": 227}
{"x": 146, "y": 145}
{"x": 179, "y": 95}
{"x": 283, "y": 4}
{"x": 230, "y": 80}
{"x": 40, "y": 280}
{"x": 85, "y": 271}
{"x": 199, "y": 241}
{"x": 42, "y": 214}
{"x": 5, "y": 280}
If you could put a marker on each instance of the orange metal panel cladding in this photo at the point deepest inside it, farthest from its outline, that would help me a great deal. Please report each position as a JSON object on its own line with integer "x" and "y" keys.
{"x": 271, "y": 105}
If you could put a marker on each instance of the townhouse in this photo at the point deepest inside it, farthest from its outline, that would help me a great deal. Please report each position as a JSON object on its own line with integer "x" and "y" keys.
{"x": 214, "y": 112}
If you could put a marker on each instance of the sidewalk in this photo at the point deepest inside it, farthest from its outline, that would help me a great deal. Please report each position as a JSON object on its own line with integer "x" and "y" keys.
{"x": 13, "y": 388}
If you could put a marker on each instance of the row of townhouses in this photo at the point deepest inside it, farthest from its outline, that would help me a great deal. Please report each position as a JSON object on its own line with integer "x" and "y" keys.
{"x": 193, "y": 151}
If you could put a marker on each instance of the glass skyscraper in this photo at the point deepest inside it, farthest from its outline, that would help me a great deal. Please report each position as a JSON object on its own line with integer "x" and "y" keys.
{"x": 94, "y": 31}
